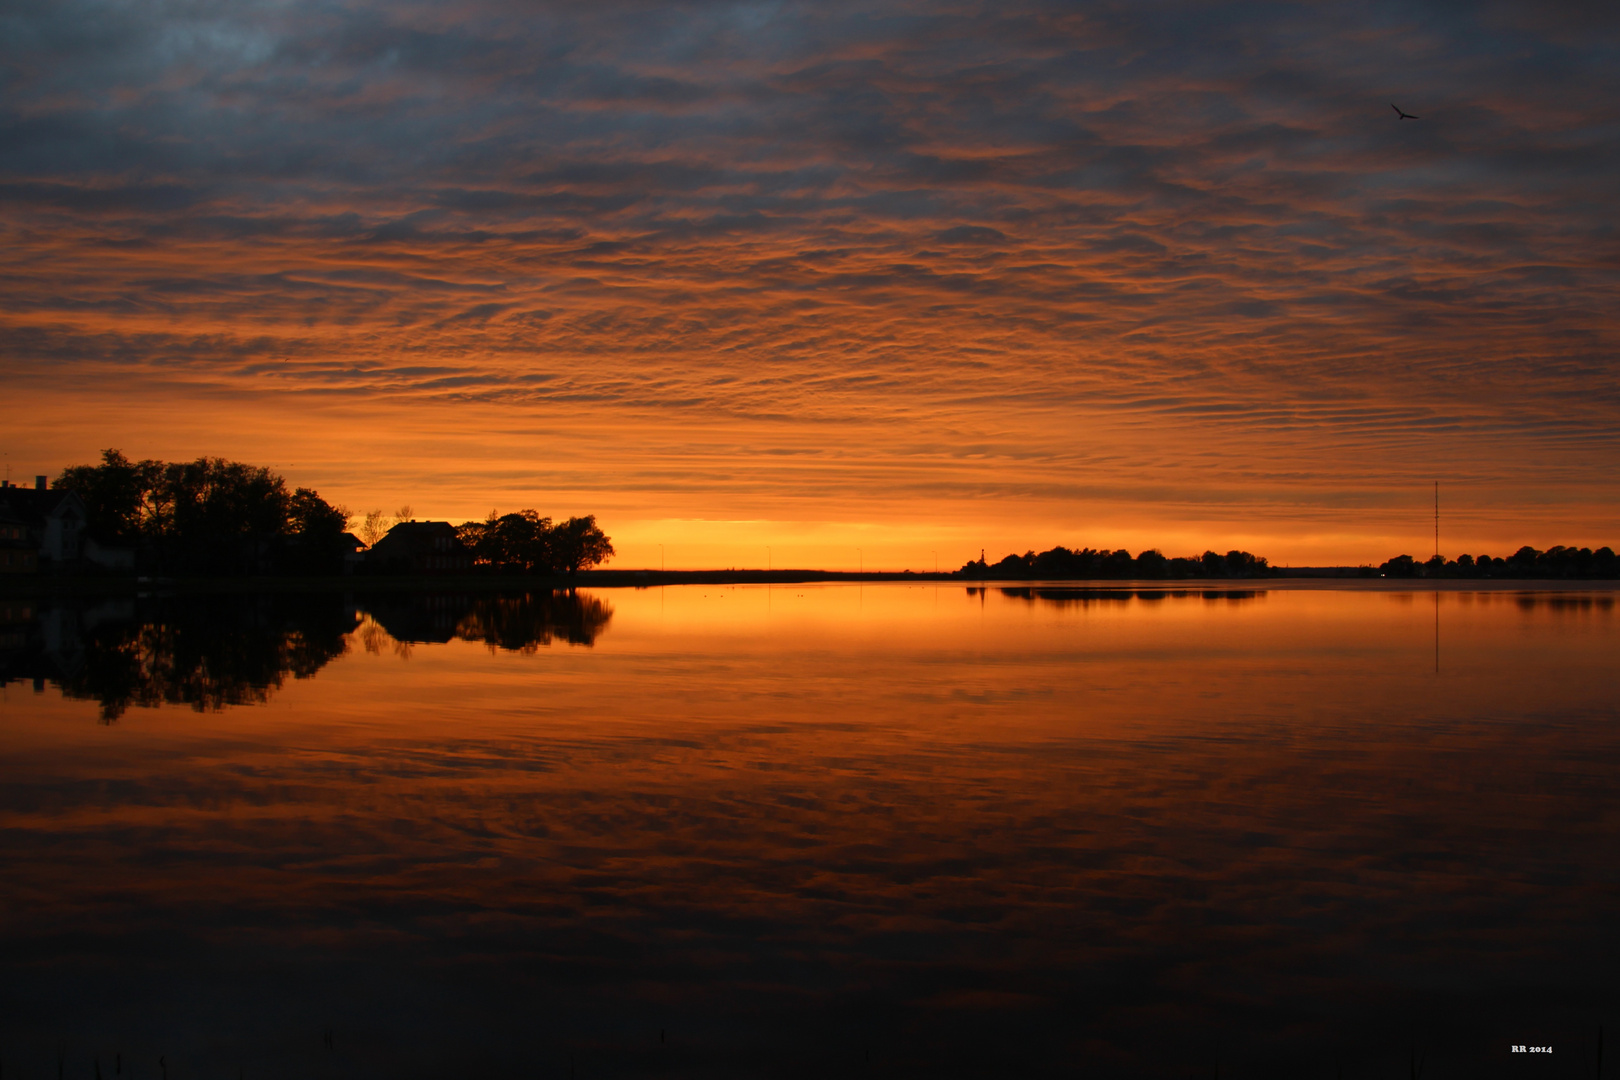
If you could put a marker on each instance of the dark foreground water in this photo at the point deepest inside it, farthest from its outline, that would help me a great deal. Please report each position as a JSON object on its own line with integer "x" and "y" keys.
{"x": 801, "y": 831}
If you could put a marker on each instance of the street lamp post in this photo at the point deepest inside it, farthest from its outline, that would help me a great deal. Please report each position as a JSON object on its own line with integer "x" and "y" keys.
{"x": 660, "y": 558}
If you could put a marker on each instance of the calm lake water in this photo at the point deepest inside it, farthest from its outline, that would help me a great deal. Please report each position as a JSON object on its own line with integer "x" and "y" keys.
{"x": 811, "y": 831}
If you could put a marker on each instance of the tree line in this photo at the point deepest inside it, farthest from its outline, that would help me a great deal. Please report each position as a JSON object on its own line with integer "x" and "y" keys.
{"x": 1556, "y": 562}
{"x": 226, "y": 518}
{"x": 208, "y": 516}
{"x": 1062, "y": 563}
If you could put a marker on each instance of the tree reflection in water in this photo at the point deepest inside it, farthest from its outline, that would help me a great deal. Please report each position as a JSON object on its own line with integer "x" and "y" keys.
{"x": 1084, "y": 596}
{"x": 206, "y": 651}
{"x": 519, "y": 622}
{"x": 524, "y": 623}
{"x": 210, "y": 651}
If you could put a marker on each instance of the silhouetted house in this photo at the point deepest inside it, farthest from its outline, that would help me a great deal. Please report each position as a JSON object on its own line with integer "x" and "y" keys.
{"x": 51, "y": 524}
{"x": 420, "y": 547}
{"x": 18, "y": 553}
{"x": 354, "y": 551}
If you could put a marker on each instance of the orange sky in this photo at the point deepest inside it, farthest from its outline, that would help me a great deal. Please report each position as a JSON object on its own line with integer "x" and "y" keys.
{"x": 856, "y": 285}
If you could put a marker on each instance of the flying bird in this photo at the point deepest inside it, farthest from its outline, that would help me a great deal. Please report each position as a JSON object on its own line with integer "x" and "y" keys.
{"x": 1402, "y": 115}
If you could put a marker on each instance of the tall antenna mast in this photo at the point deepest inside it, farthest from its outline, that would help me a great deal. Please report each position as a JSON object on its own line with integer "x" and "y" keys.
{"x": 1437, "y": 518}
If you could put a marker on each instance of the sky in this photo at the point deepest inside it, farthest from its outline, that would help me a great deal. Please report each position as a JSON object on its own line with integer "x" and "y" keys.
{"x": 836, "y": 284}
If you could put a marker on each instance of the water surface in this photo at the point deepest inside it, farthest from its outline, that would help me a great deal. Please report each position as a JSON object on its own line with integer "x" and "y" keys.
{"x": 810, "y": 831}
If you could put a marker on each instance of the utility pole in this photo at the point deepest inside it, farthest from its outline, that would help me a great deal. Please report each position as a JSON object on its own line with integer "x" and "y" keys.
{"x": 1437, "y": 518}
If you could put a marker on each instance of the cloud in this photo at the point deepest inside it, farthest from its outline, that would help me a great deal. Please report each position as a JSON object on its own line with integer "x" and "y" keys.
{"x": 910, "y": 222}
{"x": 971, "y": 234}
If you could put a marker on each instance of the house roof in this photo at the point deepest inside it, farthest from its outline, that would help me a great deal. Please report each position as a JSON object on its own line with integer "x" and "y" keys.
{"x": 422, "y": 528}
{"x": 418, "y": 536}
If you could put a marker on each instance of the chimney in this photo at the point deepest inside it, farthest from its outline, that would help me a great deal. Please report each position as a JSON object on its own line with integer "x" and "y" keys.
{"x": 39, "y": 483}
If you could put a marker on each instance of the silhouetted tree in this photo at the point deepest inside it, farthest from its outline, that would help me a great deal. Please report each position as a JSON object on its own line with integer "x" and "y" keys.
{"x": 1118, "y": 564}
{"x": 317, "y": 528}
{"x": 1401, "y": 566}
{"x": 1243, "y": 564}
{"x": 1605, "y": 564}
{"x": 577, "y": 544}
{"x": 118, "y": 496}
{"x": 1015, "y": 566}
{"x": 517, "y": 543}
{"x": 1522, "y": 563}
{"x": 374, "y": 527}
{"x": 471, "y": 533}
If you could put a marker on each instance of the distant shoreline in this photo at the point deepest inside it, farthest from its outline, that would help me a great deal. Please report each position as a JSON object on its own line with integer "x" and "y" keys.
{"x": 1345, "y": 578}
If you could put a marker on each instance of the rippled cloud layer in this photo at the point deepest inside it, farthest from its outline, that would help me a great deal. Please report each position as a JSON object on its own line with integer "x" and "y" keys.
{"x": 1019, "y": 269}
